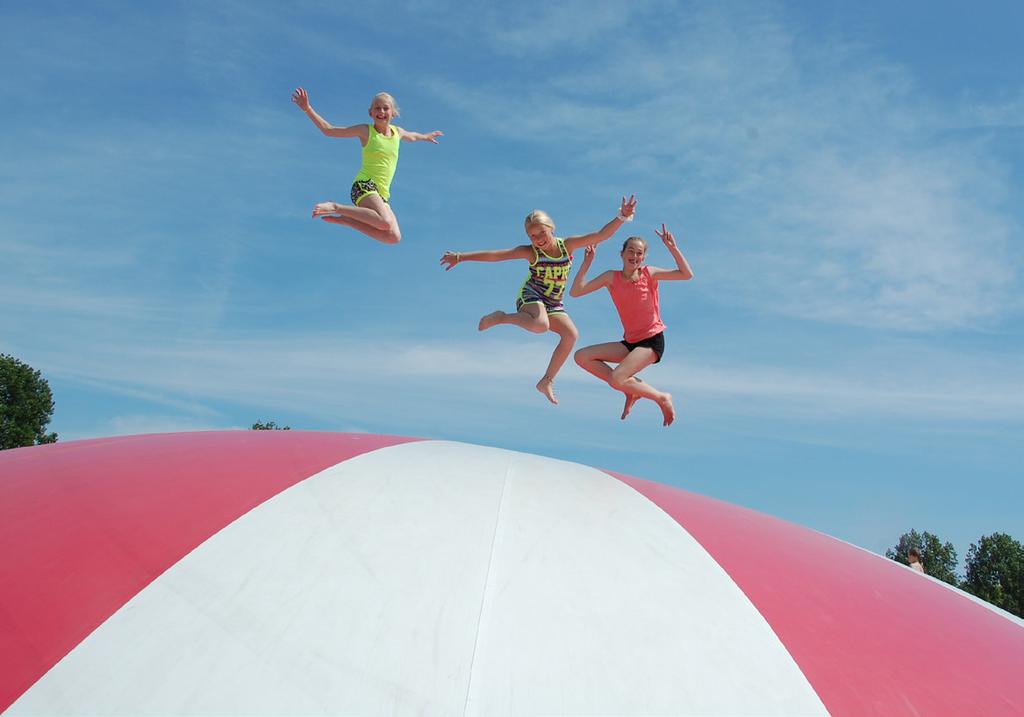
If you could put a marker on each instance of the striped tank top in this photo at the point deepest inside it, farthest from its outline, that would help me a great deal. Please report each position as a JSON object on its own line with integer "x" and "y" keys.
{"x": 547, "y": 278}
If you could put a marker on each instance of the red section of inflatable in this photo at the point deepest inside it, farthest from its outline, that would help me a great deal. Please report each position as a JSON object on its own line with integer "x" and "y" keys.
{"x": 86, "y": 525}
{"x": 869, "y": 635}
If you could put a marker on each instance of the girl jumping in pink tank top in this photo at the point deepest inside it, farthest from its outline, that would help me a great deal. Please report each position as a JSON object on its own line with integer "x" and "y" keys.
{"x": 634, "y": 291}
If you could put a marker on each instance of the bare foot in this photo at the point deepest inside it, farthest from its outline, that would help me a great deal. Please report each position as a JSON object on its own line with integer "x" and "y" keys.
{"x": 630, "y": 400}
{"x": 492, "y": 319}
{"x": 336, "y": 220}
{"x": 667, "y": 409}
{"x": 546, "y": 386}
{"x": 324, "y": 208}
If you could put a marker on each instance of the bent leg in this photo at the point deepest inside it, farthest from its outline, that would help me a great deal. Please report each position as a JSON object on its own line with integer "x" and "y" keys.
{"x": 373, "y": 217}
{"x": 531, "y": 317}
{"x": 623, "y": 377}
{"x": 595, "y": 359}
{"x": 561, "y": 324}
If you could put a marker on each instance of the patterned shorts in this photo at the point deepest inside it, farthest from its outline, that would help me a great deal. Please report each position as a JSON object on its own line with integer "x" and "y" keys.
{"x": 529, "y": 295}
{"x": 362, "y": 187}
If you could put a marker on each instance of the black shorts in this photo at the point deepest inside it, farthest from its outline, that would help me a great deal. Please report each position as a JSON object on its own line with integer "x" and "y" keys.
{"x": 656, "y": 343}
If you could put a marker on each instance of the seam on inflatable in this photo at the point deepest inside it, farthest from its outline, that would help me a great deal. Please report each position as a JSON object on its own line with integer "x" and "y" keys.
{"x": 483, "y": 595}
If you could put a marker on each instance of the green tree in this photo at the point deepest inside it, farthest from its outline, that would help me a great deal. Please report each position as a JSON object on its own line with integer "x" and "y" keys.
{"x": 269, "y": 426}
{"x": 26, "y": 405}
{"x": 995, "y": 572}
{"x": 938, "y": 558}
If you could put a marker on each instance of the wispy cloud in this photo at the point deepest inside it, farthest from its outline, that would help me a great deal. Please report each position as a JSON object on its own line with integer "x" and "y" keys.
{"x": 841, "y": 196}
{"x": 990, "y": 113}
{"x": 854, "y": 223}
{"x": 319, "y": 375}
{"x": 906, "y": 240}
{"x": 137, "y": 424}
{"x": 955, "y": 392}
{"x": 556, "y": 27}
{"x": 71, "y": 304}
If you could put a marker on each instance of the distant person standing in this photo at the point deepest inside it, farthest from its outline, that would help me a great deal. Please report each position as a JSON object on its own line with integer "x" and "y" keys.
{"x": 914, "y": 556}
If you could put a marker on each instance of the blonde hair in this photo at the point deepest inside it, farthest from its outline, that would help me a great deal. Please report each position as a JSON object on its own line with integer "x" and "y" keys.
{"x": 642, "y": 241}
{"x": 387, "y": 98}
{"x": 538, "y": 216}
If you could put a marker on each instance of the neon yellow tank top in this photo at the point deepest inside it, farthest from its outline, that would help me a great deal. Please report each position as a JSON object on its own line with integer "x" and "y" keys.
{"x": 380, "y": 158}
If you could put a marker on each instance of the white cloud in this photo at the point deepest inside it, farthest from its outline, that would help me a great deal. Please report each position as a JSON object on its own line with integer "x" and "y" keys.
{"x": 839, "y": 195}
{"x": 829, "y": 188}
{"x": 954, "y": 392}
{"x": 322, "y": 375}
{"x": 998, "y": 113}
{"x": 893, "y": 240}
{"x": 555, "y": 27}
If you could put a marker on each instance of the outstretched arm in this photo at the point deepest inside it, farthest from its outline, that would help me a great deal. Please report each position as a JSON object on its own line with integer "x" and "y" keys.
{"x": 625, "y": 214}
{"x": 682, "y": 270}
{"x": 409, "y": 136}
{"x": 582, "y": 287}
{"x": 451, "y": 258}
{"x": 301, "y": 98}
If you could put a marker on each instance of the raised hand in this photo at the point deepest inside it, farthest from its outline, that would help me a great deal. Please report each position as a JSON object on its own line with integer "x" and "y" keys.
{"x": 301, "y": 98}
{"x": 628, "y": 206}
{"x": 666, "y": 237}
{"x": 432, "y": 136}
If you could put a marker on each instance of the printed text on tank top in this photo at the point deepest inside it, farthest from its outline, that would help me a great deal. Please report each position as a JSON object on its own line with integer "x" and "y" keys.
{"x": 549, "y": 274}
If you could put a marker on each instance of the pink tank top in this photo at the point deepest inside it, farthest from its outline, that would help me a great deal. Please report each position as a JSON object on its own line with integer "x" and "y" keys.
{"x": 637, "y": 304}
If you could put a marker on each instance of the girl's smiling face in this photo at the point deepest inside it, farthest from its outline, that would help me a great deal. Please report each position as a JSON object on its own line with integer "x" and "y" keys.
{"x": 540, "y": 235}
{"x": 633, "y": 253}
{"x": 382, "y": 111}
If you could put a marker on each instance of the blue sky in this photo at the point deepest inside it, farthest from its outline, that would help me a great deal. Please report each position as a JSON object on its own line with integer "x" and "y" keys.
{"x": 847, "y": 181}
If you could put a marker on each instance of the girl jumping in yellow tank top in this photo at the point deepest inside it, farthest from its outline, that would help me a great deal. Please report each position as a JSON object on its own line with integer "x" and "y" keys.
{"x": 371, "y": 189}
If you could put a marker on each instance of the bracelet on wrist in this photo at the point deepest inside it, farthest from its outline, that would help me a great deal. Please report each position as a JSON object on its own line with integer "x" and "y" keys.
{"x": 624, "y": 219}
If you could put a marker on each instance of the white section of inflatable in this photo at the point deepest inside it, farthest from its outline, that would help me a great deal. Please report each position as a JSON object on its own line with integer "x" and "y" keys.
{"x": 599, "y": 603}
{"x": 437, "y": 578}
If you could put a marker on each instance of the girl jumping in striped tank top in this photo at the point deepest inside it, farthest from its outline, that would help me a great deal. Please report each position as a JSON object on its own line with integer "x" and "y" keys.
{"x": 539, "y": 303}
